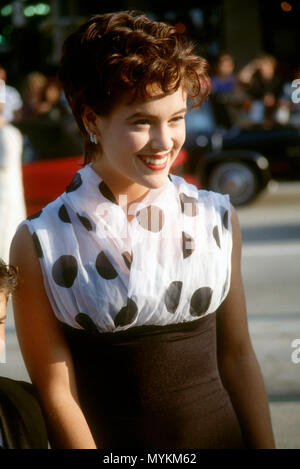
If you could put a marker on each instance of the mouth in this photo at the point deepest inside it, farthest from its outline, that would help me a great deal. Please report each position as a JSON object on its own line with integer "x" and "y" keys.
{"x": 158, "y": 162}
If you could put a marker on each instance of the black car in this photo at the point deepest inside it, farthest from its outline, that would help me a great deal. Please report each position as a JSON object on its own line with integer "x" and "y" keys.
{"x": 240, "y": 161}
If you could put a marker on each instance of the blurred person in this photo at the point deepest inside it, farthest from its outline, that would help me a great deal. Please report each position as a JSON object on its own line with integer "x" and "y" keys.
{"x": 51, "y": 104}
{"x": 8, "y": 280}
{"x": 21, "y": 422}
{"x": 114, "y": 289}
{"x": 33, "y": 87}
{"x": 13, "y": 101}
{"x": 48, "y": 126}
{"x": 263, "y": 87}
{"x": 227, "y": 96}
{"x": 289, "y": 103}
{"x": 12, "y": 205}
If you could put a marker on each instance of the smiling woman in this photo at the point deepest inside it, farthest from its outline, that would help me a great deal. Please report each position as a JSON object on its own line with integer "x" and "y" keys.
{"x": 115, "y": 55}
{"x": 150, "y": 133}
{"x": 117, "y": 321}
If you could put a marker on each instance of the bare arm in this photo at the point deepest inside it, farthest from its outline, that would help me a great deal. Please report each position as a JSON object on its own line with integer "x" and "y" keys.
{"x": 238, "y": 366}
{"x": 45, "y": 352}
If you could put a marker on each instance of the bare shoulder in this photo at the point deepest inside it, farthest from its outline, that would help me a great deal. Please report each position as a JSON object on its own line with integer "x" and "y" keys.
{"x": 22, "y": 246}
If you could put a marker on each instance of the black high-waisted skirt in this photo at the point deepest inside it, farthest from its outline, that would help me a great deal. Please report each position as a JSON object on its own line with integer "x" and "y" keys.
{"x": 154, "y": 387}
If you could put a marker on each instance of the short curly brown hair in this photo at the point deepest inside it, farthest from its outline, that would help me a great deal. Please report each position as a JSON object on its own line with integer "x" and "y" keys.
{"x": 8, "y": 278}
{"x": 114, "y": 53}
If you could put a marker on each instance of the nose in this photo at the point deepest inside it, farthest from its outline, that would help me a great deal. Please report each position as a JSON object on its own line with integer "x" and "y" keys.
{"x": 161, "y": 138}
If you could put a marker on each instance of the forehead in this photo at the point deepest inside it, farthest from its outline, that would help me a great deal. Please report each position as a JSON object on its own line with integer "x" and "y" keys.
{"x": 156, "y": 103}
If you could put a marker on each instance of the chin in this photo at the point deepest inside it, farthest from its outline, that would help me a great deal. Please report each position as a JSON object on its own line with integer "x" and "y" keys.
{"x": 155, "y": 181}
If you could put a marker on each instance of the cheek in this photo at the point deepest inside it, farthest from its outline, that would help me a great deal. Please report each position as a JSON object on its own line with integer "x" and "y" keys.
{"x": 180, "y": 135}
{"x": 135, "y": 141}
{"x": 124, "y": 143}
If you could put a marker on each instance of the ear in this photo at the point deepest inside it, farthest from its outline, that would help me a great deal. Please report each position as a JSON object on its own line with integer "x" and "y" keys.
{"x": 89, "y": 119}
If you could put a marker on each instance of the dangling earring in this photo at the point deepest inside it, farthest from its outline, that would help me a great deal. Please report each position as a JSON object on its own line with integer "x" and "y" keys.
{"x": 93, "y": 138}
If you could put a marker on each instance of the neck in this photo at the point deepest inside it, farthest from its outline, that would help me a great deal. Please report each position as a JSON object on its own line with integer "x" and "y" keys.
{"x": 133, "y": 191}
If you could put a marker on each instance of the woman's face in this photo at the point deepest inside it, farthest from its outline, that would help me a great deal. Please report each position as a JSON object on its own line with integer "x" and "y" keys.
{"x": 3, "y": 303}
{"x": 140, "y": 141}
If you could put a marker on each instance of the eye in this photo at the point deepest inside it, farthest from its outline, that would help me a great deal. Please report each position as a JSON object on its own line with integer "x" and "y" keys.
{"x": 177, "y": 119}
{"x": 141, "y": 122}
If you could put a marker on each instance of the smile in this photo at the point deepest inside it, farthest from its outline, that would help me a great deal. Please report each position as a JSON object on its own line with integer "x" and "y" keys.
{"x": 154, "y": 162}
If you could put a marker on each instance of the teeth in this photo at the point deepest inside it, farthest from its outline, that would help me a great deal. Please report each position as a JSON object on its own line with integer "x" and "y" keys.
{"x": 155, "y": 161}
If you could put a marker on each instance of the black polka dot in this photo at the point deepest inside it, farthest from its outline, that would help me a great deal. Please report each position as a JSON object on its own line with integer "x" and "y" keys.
{"x": 85, "y": 222}
{"x": 64, "y": 271}
{"x": 86, "y": 322}
{"x": 216, "y": 235}
{"x": 107, "y": 193}
{"x": 188, "y": 245}
{"x": 127, "y": 259}
{"x": 151, "y": 218}
{"x": 172, "y": 296}
{"x": 200, "y": 301}
{"x": 37, "y": 245}
{"x": 127, "y": 314}
{"x": 35, "y": 215}
{"x": 104, "y": 267}
{"x": 225, "y": 219}
{"x": 189, "y": 205}
{"x": 75, "y": 183}
{"x": 63, "y": 214}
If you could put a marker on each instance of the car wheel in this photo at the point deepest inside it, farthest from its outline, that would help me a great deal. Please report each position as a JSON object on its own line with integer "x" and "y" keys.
{"x": 236, "y": 179}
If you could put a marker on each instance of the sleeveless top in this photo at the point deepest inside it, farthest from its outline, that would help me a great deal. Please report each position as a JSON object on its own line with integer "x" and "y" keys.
{"x": 170, "y": 264}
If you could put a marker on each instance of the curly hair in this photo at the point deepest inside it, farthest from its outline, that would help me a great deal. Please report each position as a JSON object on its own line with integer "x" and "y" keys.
{"x": 114, "y": 53}
{"x": 8, "y": 278}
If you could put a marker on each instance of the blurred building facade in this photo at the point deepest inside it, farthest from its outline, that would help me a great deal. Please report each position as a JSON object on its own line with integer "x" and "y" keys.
{"x": 32, "y": 31}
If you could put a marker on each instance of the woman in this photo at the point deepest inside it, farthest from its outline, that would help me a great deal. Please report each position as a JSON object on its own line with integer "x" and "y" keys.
{"x": 123, "y": 274}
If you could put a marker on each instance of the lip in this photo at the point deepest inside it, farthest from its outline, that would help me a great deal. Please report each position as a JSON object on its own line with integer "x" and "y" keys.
{"x": 155, "y": 157}
{"x": 155, "y": 167}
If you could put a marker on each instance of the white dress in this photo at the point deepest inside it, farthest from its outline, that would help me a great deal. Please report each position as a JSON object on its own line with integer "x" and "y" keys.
{"x": 12, "y": 205}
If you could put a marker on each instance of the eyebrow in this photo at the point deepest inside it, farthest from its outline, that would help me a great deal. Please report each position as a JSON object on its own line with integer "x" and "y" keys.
{"x": 145, "y": 114}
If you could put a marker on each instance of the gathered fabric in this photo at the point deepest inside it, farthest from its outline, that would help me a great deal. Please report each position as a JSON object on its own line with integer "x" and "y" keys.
{"x": 170, "y": 264}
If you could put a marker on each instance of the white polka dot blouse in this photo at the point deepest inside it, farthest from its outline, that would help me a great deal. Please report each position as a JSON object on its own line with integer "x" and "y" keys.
{"x": 170, "y": 264}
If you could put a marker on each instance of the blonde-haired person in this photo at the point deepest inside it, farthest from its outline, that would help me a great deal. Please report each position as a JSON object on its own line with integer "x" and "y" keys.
{"x": 131, "y": 314}
{"x": 21, "y": 422}
{"x": 8, "y": 281}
